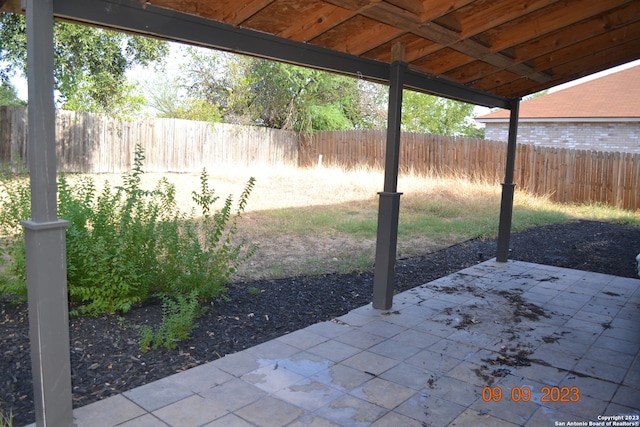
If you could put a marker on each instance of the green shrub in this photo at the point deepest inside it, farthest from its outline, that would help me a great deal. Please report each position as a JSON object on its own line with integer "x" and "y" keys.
{"x": 15, "y": 205}
{"x": 126, "y": 244}
{"x": 178, "y": 316}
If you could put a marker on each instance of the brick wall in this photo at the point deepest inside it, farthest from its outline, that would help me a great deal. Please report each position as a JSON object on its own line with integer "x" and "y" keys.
{"x": 604, "y": 136}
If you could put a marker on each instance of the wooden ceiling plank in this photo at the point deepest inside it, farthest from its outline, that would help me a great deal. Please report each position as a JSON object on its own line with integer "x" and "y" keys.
{"x": 496, "y": 44}
{"x": 547, "y": 20}
{"x": 467, "y": 47}
{"x": 518, "y": 87}
{"x": 229, "y": 11}
{"x": 416, "y": 47}
{"x": 609, "y": 39}
{"x": 389, "y": 15}
{"x": 587, "y": 65}
{"x": 478, "y": 73}
{"x": 603, "y": 24}
{"x": 325, "y": 18}
{"x": 392, "y": 15}
{"x": 525, "y": 71}
{"x": 434, "y": 9}
{"x": 357, "y": 35}
{"x": 480, "y": 16}
{"x": 564, "y": 55}
{"x": 397, "y": 17}
{"x": 248, "y": 9}
{"x": 324, "y": 21}
{"x": 471, "y": 72}
{"x": 441, "y": 61}
{"x": 277, "y": 16}
{"x": 565, "y": 37}
{"x": 481, "y": 52}
{"x": 354, "y": 5}
{"x": 476, "y": 50}
{"x": 496, "y": 79}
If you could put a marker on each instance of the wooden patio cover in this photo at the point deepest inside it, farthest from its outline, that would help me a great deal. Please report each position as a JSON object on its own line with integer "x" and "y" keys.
{"x": 486, "y": 52}
{"x": 509, "y": 48}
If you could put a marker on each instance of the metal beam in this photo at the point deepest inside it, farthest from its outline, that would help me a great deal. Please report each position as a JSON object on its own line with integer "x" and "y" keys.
{"x": 389, "y": 205}
{"x": 437, "y": 86}
{"x": 508, "y": 187}
{"x": 143, "y": 18}
{"x": 45, "y": 234}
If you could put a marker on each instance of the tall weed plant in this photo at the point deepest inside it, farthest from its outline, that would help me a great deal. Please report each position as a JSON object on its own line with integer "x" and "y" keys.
{"x": 126, "y": 244}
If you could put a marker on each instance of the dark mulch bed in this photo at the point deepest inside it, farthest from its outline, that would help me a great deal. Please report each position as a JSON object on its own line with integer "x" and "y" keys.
{"x": 106, "y": 359}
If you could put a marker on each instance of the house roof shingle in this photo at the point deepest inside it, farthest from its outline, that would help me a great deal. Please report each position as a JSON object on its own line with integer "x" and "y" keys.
{"x": 615, "y": 95}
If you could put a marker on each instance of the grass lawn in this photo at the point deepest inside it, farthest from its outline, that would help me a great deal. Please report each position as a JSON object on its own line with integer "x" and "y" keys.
{"x": 324, "y": 219}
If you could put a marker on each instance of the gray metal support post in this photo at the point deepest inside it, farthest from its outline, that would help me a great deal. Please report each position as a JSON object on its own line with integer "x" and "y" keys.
{"x": 508, "y": 186}
{"x": 389, "y": 205}
{"x": 45, "y": 234}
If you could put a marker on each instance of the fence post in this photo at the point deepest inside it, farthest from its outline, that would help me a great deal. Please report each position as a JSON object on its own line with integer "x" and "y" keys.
{"x": 508, "y": 186}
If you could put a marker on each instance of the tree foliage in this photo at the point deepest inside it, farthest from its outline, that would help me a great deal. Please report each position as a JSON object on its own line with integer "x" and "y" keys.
{"x": 273, "y": 94}
{"x": 432, "y": 114}
{"x": 9, "y": 95}
{"x": 90, "y": 63}
{"x": 267, "y": 93}
{"x": 169, "y": 100}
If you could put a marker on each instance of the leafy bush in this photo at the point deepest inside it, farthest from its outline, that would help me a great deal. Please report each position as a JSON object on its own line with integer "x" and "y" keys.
{"x": 15, "y": 205}
{"x": 178, "y": 316}
{"x": 125, "y": 244}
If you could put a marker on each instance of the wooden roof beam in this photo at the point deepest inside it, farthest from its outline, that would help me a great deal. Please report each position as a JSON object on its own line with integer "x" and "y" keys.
{"x": 413, "y": 6}
{"x": 434, "y": 9}
{"x": 394, "y": 16}
{"x": 476, "y": 50}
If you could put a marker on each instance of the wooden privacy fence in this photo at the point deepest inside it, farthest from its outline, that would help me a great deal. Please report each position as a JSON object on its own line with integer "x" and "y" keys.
{"x": 92, "y": 143}
{"x": 564, "y": 175}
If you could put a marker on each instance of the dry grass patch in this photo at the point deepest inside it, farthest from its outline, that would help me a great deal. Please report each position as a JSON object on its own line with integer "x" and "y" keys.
{"x": 317, "y": 220}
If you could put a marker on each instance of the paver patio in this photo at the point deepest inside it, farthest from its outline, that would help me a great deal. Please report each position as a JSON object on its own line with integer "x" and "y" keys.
{"x": 514, "y": 344}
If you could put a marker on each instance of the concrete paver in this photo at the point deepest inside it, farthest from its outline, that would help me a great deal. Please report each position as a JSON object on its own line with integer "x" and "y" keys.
{"x": 514, "y": 344}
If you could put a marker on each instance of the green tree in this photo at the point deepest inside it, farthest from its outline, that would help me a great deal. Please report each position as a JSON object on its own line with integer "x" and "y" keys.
{"x": 9, "y": 95}
{"x": 90, "y": 63}
{"x": 432, "y": 114}
{"x": 273, "y": 94}
{"x": 170, "y": 100}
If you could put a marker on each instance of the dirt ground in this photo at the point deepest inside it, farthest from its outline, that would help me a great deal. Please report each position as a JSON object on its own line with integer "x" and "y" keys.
{"x": 106, "y": 358}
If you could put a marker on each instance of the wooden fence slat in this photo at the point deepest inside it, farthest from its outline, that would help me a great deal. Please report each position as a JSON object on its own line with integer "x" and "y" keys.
{"x": 93, "y": 143}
